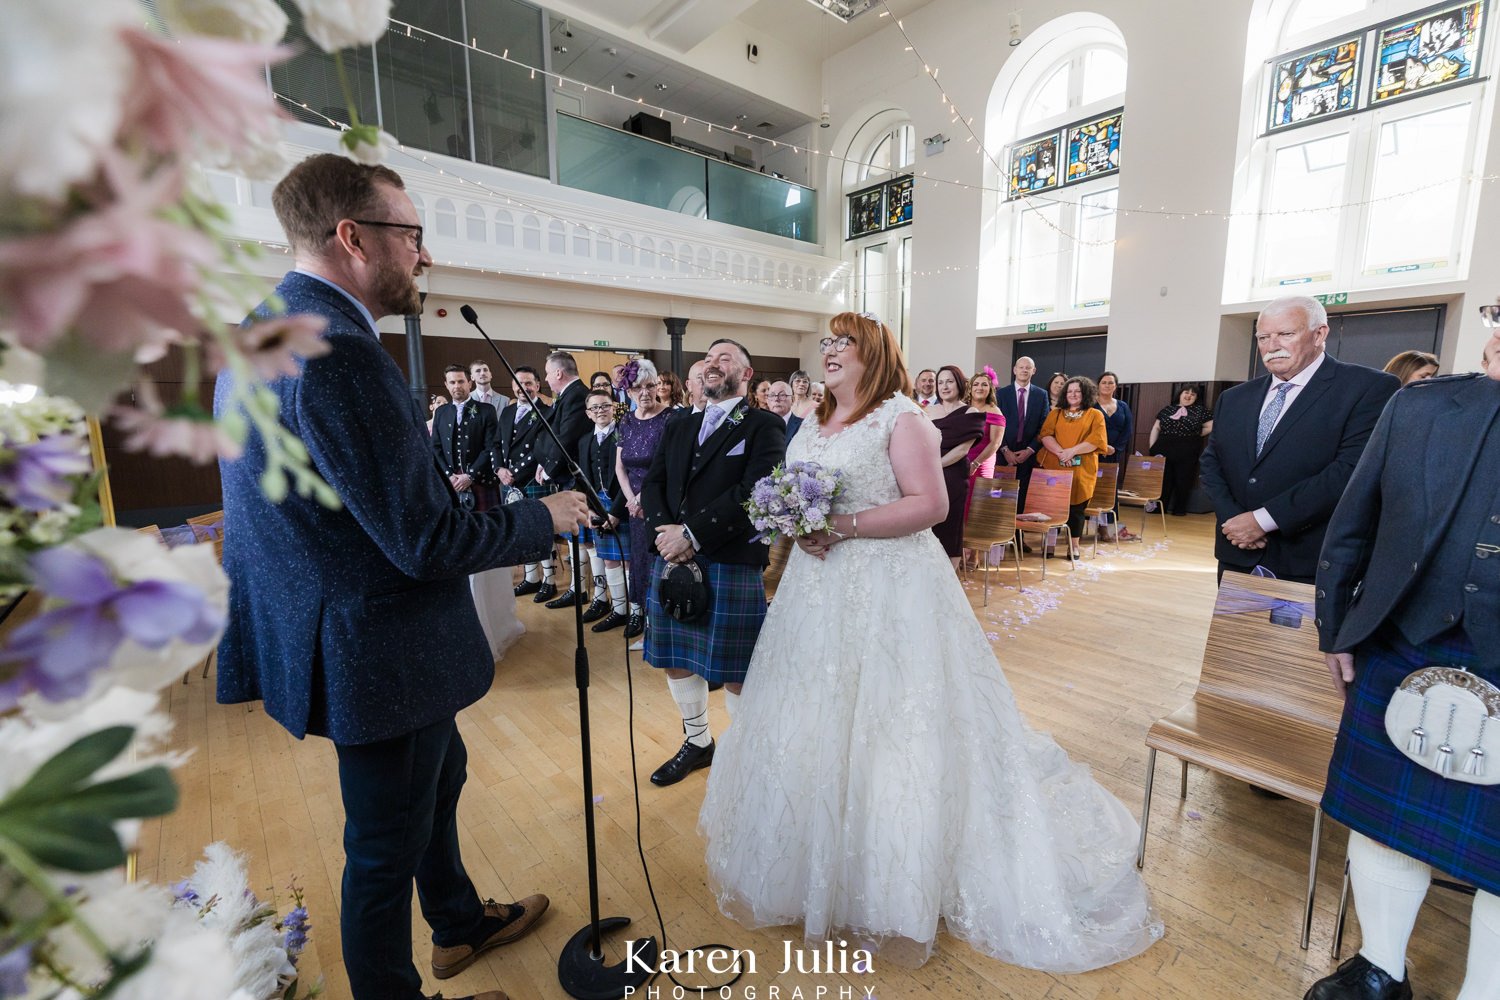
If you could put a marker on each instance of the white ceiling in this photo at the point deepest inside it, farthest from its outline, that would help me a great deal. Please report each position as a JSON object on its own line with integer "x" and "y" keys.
{"x": 682, "y": 25}
{"x": 601, "y": 61}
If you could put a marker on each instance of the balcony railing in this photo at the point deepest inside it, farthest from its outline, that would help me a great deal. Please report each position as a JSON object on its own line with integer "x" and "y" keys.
{"x": 608, "y": 161}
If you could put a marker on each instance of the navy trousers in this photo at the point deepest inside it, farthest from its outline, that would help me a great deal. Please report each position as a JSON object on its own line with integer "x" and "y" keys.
{"x": 401, "y": 824}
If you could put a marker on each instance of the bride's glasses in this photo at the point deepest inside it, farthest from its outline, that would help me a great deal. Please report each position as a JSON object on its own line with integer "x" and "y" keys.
{"x": 837, "y": 346}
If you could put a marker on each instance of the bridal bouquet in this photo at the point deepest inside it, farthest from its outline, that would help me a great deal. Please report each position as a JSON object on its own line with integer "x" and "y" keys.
{"x": 794, "y": 500}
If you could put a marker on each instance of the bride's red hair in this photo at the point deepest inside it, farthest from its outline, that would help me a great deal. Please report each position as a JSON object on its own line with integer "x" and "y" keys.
{"x": 885, "y": 365}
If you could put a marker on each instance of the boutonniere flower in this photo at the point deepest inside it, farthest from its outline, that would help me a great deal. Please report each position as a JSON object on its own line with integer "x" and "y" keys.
{"x": 737, "y": 416}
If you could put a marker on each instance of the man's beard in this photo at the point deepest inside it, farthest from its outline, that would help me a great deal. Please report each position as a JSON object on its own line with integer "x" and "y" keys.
{"x": 396, "y": 291}
{"x": 728, "y": 387}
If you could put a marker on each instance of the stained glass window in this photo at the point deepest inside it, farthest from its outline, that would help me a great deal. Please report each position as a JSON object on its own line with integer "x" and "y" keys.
{"x": 1033, "y": 166}
{"x": 1418, "y": 54}
{"x": 866, "y": 212}
{"x": 1094, "y": 148}
{"x": 898, "y": 202}
{"x": 1315, "y": 84}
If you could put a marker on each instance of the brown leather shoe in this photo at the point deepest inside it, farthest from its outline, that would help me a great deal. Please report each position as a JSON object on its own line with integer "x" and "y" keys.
{"x": 449, "y": 962}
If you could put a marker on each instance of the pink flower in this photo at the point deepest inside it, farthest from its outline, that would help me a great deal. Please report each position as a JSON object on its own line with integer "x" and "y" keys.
{"x": 121, "y": 274}
{"x": 199, "y": 90}
{"x": 274, "y": 345}
{"x": 186, "y": 430}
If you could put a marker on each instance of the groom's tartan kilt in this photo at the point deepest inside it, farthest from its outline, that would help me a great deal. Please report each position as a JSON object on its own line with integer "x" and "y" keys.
{"x": 717, "y": 648}
{"x": 1373, "y": 788}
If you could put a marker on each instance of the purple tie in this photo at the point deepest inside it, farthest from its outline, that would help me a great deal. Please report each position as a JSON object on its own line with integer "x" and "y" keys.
{"x": 1021, "y": 407}
{"x": 712, "y": 418}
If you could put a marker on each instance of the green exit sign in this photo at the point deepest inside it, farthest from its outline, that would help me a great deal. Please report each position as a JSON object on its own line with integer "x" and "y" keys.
{"x": 601, "y": 343}
{"x": 1334, "y": 298}
{"x": 1036, "y": 327}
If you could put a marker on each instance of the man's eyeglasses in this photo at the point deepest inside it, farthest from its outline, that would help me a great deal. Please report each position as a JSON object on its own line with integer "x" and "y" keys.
{"x": 838, "y": 346}
{"x": 780, "y": 395}
{"x": 1490, "y": 315}
{"x": 417, "y": 247}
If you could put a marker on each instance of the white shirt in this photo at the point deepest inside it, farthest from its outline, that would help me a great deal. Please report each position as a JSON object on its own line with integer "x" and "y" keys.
{"x": 599, "y": 435}
{"x": 926, "y": 400}
{"x": 1298, "y": 382}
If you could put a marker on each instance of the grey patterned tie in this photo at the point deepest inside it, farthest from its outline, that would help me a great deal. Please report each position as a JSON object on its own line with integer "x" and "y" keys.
{"x": 1268, "y": 416}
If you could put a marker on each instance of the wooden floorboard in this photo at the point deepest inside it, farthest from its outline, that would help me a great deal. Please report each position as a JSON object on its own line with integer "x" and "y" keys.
{"x": 1095, "y": 655}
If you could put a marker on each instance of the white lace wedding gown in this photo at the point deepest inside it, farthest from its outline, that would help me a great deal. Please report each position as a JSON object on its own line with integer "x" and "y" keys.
{"x": 878, "y": 775}
{"x": 495, "y": 601}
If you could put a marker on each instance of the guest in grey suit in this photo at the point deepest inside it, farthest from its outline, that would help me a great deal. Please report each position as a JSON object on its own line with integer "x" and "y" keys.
{"x": 479, "y": 371}
{"x": 355, "y": 623}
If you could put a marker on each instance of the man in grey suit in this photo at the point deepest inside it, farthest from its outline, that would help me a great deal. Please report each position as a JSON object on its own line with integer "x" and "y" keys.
{"x": 1409, "y": 577}
{"x": 355, "y": 623}
{"x": 479, "y": 371}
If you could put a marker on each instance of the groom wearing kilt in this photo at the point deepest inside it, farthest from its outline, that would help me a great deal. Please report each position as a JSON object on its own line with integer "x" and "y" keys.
{"x": 693, "y": 499}
{"x": 1410, "y": 578}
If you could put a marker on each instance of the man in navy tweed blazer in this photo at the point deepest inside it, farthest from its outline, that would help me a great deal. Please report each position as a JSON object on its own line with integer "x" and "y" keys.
{"x": 356, "y": 623}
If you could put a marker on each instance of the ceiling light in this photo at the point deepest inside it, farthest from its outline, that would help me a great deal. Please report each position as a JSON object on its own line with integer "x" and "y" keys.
{"x": 1015, "y": 28}
{"x": 561, "y": 50}
{"x": 845, "y": 10}
{"x": 661, "y": 86}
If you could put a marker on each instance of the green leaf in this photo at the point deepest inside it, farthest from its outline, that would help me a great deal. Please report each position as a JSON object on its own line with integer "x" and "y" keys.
{"x": 150, "y": 792}
{"x": 70, "y": 767}
{"x": 83, "y": 844}
{"x": 274, "y": 485}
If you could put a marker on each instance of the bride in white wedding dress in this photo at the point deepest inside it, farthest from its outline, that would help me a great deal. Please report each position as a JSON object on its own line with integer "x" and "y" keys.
{"x": 877, "y": 775}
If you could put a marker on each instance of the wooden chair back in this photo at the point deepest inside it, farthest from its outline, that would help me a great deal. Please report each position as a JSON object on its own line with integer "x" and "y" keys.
{"x": 1268, "y": 660}
{"x": 1143, "y": 475}
{"x": 1050, "y": 493}
{"x": 207, "y": 527}
{"x": 992, "y": 514}
{"x": 153, "y": 530}
{"x": 1104, "y": 488}
{"x": 1006, "y": 472}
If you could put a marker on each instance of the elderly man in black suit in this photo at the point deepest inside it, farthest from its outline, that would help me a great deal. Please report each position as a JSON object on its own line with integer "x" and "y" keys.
{"x": 569, "y": 420}
{"x": 1410, "y": 577}
{"x": 1025, "y": 407}
{"x": 463, "y": 438}
{"x": 693, "y": 497}
{"x": 1284, "y": 445}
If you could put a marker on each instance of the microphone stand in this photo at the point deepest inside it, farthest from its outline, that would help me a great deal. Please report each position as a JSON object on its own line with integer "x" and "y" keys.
{"x": 580, "y": 965}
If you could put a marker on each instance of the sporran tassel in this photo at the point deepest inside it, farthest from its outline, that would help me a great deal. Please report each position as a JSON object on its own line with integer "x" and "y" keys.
{"x": 1475, "y": 764}
{"x": 1444, "y": 765}
{"x": 1418, "y": 742}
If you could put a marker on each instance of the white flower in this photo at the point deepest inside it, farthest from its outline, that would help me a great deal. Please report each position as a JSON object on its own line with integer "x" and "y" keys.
{"x": 188, "y": 962}
{"x": 259, "y": 22}
{"x": 39, "y": 732}
{"x": 261, "y": 961}
{"x": 342, "y": 24}
{"x": 367, "y": 145}
{"x": 63, "y": 74}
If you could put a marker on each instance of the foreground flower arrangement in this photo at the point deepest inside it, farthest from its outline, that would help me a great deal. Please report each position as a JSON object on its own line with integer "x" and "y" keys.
{"x": 112, "y": 254}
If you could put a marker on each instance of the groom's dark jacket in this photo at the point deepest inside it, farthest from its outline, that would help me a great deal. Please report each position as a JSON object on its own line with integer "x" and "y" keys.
{"x": 705, "y": 487}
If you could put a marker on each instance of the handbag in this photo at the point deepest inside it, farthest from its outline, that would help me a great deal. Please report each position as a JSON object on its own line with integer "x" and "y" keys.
{"x": 684, "y": 592}
{"x": 1448, "y": 721}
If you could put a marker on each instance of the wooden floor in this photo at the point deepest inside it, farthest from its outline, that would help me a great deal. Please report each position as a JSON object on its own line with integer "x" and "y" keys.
{"x": 1094, "y": 656}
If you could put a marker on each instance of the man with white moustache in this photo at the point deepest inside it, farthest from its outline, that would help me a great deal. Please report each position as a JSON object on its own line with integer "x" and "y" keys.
{"x": 1284, "y": 445}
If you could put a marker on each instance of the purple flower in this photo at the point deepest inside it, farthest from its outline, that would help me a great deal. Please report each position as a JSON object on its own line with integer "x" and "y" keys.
{"x": 38, "y": 477}
{"x": 184, "y": 892}
{"x": 58, "y": 650}
{"x": 14, "y": 965}
{"x": 296, "y": 926}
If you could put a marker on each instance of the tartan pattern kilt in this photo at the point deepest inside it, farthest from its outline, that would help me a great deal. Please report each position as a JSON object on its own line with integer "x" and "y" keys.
{"x": 1374, "y": 789}
{"x": 613, "y": 545}
{"x": 717, "y": 648}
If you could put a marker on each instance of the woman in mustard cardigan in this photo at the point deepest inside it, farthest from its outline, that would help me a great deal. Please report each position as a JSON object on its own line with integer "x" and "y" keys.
{"x": 1073, "y": 437}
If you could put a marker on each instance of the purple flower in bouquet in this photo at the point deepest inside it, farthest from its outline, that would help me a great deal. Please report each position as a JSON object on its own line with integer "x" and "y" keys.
{"x": 794, "y": 500}
{"x": 14, "y": 968}
{"x": 39, "y": 477}
{"x": 59, "y": 650}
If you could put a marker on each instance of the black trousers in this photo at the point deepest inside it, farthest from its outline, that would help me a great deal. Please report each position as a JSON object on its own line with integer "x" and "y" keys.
{"x": 1181, "y": 472}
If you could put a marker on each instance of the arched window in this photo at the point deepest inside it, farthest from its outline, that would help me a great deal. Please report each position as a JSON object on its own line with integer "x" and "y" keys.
{"x": 878, "y": 203}
{"x": 1053, "y": 138}
{"x": 1361, "y": 139}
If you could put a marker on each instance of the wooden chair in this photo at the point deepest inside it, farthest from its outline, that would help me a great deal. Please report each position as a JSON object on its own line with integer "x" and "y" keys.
{"x": 1049, "y": 494}
{"x": 991, "y": 522}
{"x": 1142, "y": 486}
{"x": 1265, "y": 711}
{"x": 1102, "y": 503}
{"x": 153, "y": 530}
{"x": 207, "y": 527}
{"x": 781, "y": 551}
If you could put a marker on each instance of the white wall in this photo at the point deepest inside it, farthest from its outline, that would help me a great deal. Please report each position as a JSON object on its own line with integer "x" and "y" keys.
{"x": 1183, "y": 99}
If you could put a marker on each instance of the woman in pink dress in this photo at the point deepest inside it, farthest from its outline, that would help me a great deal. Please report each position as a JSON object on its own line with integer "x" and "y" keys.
{"x": 982, "y": 455}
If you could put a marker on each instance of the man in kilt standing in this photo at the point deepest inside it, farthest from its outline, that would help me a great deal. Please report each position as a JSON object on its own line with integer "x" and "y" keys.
{"x": 693, "y": 498}
{"x": 517, "y": 456}
{"x": 1410, "y": 578}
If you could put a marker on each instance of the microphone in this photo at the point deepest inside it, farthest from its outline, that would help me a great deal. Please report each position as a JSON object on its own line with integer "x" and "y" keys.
{"x": 581, "y": 482}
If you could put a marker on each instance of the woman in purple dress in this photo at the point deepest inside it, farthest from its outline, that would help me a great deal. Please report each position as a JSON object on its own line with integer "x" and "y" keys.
{"x": 640, "y": 434}
{"x": 961, "y": 427}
